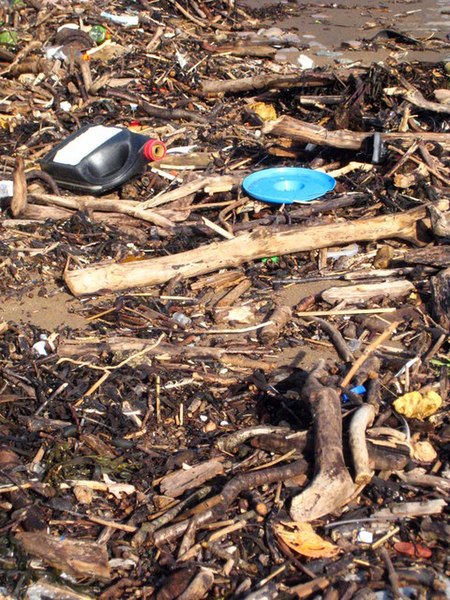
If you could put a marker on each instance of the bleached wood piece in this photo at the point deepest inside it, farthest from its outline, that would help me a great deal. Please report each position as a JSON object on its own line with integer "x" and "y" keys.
{"x": 231, "y": 253}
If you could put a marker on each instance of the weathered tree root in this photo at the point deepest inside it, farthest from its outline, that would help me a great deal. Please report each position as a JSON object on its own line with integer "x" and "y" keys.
{"x": 230, "y": 492}
{"x": 361, "y": 420}
{"x": 332, "y": 485}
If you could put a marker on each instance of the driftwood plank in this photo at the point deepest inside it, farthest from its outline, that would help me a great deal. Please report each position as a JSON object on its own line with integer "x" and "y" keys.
{"x": 175, "y": 484}
{"x": 75, "y": 557}
{"x": 232, "y": 253}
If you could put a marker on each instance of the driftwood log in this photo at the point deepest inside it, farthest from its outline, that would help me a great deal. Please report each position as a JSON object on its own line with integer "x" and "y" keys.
{"x": 436, "y": 256}
{"x": 76, "y": 557}
{"x": 332, "y": 484}
{"x": 123, "y": 207}
{"x": 301, "y": 131}
{"x": 162, "y": 352}
{"x": 231, "y": 253}
{"x": 271, "y": 81}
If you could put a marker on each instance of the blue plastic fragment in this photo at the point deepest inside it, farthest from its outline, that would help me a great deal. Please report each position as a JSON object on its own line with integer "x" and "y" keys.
{"x": 286, "y": 185}
{"x": 358, "y": 389}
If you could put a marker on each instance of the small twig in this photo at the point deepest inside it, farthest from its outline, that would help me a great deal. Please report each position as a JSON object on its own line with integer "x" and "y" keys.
{"x": 368, "y": 351}
{"x": 393, "y": 577}
{"x": 229, "y": 331}
{"x": 355, "y": 311}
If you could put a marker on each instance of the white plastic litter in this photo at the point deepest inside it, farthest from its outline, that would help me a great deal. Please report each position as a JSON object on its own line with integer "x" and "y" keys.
{"x": 125, "y": 20}
{"x": 181, "y": 59}
{"x": 181, "y": 149}
{"x": 55, "y": 52}
{"x": 305, "y": 62}
{"x": 39, "y": 348}
{"x": 68, "y": 26}
{"x": 6, "y": 188}
{"x": 365, "y": 537}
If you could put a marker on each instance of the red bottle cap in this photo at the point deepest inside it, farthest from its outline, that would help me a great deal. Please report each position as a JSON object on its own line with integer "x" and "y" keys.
{"x": 154, "y": 150}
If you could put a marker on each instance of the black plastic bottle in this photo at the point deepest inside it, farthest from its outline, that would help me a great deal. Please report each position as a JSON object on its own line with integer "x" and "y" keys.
{"x": 97, "y": 159}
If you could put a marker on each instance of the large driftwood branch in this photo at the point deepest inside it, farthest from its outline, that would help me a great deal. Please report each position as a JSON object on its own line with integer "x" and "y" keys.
{"x": 123, "y": 207}
{"x": 271, "y": 81}
{"x": 232, "y": 253}
{"x": 416, "y": 98}
{"x": 332, "y": 485}
{"x": 162, "y": 352}
{"x": 302, "y": 131}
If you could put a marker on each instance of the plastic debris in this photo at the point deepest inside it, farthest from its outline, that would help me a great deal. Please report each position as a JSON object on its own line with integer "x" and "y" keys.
{"x": 267, "y": 112}
{"x": 181, "y": 59}
{"x": 6, "y": 188}
{"x": 9, "y": 38}
{"x": 418, "y": 405}
{"x": 274, "y": 260}
{"x": 415, "y": 550}
{"x": 65, "y": 106}
{"x": 358, "y": 389}
{"x": 83, "y": 161}
{"x": 364, "y": 537}
{"x": 98, "y": 34}
{"x": 125, "y": 20}
{"x": 40, "y": 349}
{"x": 55, "y": 52}
{"x": 181, "y": 319}
{"x": 305, "y": 62}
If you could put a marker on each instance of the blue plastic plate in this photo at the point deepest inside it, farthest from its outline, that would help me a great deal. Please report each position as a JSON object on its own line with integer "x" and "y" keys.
{"x": 285, "y": 185}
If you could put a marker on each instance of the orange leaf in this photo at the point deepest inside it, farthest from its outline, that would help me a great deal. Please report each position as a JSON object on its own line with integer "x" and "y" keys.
{"x": 302, "y": 538}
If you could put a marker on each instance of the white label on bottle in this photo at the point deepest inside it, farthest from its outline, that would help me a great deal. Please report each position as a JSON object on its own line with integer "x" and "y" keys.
{"x": 74, "y": 152}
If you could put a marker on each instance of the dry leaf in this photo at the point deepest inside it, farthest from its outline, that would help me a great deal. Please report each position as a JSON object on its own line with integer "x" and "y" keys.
{"x": 404, "y": 181}
{"x": 418, "y": 405}
{"x": 117, "y": 489}
{"x": 83, "y": 494}
{"x": 302, "y": 538}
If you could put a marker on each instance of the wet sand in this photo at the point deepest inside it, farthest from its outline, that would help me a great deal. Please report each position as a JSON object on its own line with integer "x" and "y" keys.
{"x": 324, "y": 27}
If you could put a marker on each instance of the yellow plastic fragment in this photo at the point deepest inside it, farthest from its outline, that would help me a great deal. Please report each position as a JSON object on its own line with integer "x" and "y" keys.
{"x": 267, "y": 112}
{"x": 418, "y": 405}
